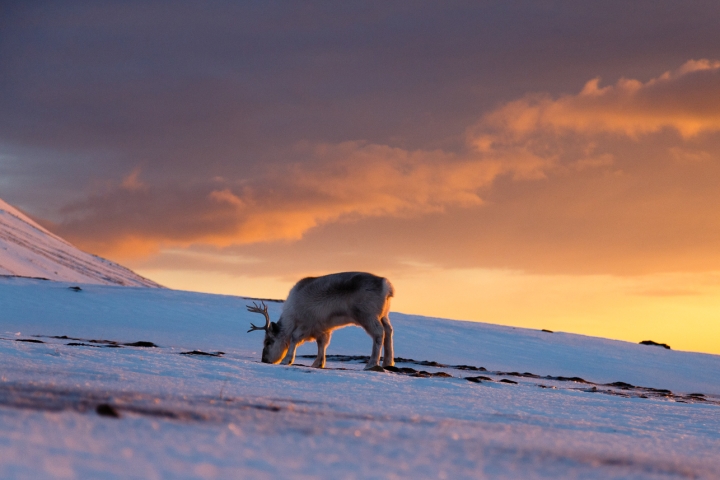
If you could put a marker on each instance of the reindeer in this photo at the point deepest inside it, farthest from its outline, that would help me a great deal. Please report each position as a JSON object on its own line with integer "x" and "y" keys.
{"x": 316, "y": 306}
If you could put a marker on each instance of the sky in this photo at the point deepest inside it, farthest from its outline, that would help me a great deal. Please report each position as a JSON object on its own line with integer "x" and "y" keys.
{"x": 543, "y": 164}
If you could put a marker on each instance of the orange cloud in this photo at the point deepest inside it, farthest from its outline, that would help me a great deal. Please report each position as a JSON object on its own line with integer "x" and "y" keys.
{"x": 599, "y": 155}
{"x": 226, "y": 196}
{"x": 332, "y": 182}
{"x": 355, "y": 179}
{"x": 686, "y": 100}
{"x": 132, "y": 181}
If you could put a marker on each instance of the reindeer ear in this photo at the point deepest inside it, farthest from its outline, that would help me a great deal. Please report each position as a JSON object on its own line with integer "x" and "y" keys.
{"x": 274, "y": 328}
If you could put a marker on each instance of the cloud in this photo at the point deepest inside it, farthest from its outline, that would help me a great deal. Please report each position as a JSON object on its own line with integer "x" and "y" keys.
{"x": 542, "y": 185}
{"x": 686, "y": 155}
{"x": 226, "y": 196}
{"x": 686, "y": 100}
{"x": 132, "y": 181}
{"x": 328, "y": 183}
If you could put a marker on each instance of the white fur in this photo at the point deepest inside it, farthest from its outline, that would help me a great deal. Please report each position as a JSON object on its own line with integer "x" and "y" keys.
{"x": 317, "y": 306}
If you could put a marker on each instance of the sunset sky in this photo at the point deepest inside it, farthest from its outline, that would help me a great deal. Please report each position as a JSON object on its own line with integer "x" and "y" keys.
{"x": 539, "y": 164}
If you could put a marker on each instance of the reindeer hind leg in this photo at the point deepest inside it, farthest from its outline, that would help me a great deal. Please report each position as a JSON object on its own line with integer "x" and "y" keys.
{"x": 374, "y": 328}
{"x": 388, "y": 353}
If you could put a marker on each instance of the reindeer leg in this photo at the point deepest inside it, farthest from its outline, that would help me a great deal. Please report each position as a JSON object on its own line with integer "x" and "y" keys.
{"x": 375, "y": 330}
{"x": 290, "y": 355}
{"x": 388, "y": 353}
{"x": 322, "y": 343}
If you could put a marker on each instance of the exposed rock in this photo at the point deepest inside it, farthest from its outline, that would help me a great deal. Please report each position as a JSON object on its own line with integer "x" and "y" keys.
{"x": 656, "y": 344}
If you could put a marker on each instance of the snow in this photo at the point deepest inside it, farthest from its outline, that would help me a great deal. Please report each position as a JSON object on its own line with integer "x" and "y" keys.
{"x": 29, "y": 250}
{"x": 185, "y": 416}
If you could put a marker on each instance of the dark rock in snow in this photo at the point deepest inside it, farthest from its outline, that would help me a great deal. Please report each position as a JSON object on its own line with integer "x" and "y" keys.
{"x": 106, "y": 410}
{"x": 659, "y": 391}
{"x": 656, "y": 344}
{"x": 201, "y": 353}
{"x": 28, "y": 340}
{"x": 140, "y": 344}
{"x": 469, "y": 367}
{"x": 75, "y": 289}
{"x": 407, "y": 370}
{"x": 427, "y": 363}
{"x": 567, "y": 379}
{"x": 105, "y": 342}
{"x": 622, "y": 385}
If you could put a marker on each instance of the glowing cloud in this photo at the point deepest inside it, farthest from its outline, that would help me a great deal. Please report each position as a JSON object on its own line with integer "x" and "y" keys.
{"x": 332, "y": 182}
{"x": 132, "y": 181}
{"x": 686, "y": 100}
{"x": 533, "y": 138}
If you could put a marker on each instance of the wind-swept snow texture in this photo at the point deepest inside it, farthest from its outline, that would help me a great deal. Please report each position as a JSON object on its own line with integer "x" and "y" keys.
{"x": 29, "y": 250}
{"x": 108, "y": 382}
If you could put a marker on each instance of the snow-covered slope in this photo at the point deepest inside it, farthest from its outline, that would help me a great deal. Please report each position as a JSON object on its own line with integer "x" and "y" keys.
{"x": 70, "y": 360}
{"x": 29, "y": 250}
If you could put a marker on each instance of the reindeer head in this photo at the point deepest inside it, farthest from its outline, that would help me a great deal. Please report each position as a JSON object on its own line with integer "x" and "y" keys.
{"x": 274, "y": 348}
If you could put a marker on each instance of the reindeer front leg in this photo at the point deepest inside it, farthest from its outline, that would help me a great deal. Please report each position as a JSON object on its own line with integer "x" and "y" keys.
{"x": 290, "y": 356}
{"x": 322, "y": 343}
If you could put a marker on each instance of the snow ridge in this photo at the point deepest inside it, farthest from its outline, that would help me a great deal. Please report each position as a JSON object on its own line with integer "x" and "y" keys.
{"x": 29, "y": 250}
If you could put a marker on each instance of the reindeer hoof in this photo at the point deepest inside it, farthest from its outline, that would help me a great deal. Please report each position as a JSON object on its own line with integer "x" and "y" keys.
{"x": 375, "y": 368}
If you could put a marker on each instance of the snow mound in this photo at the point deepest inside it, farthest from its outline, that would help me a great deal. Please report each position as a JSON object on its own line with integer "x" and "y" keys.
{"x": 106, "y": 382}
{"x": 29, "y": 250}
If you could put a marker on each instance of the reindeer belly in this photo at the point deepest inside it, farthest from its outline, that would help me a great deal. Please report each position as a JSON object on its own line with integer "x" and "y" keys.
{"x": 341, "y": 320}
{"x": 329, "y": 324}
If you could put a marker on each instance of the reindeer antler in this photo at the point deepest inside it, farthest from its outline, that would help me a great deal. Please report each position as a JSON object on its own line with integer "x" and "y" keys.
{"x": 255, "y": 308}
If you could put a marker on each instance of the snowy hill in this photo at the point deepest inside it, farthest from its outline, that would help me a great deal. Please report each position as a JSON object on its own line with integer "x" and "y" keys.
{"x": 29, "y": 250}
{"x": 469, "y": 400}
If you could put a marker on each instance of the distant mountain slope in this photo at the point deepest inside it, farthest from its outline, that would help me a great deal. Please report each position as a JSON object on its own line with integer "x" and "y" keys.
{"x": 29, "y": 250}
